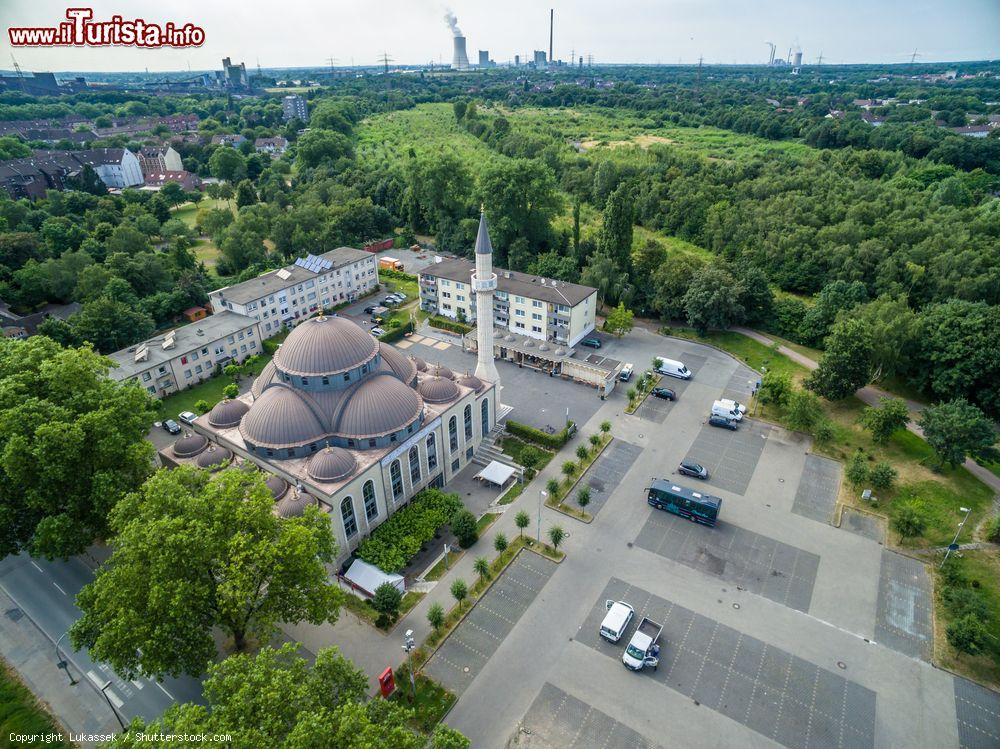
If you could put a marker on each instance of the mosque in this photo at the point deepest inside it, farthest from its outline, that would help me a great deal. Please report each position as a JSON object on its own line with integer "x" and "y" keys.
{"x": 344, "y": 421}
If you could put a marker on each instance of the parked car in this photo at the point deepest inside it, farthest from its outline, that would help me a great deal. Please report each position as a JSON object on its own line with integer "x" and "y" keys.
{"x": 172, "y": 426}
{"x": 673, "y": 368}
{"x": 722, "y": 422}
{"x": 591, "y": 342}
{"x": 377, "y": 319}
{"x": 399, "y": 295}
{"x": 626, "y": 374}
{"x": 665, "y": 393}
{"x": 696, "y": 470}
{"x": 389, "y": 302}
{"x": 187, "y": 417}
{"x": 369, "y": 309}
{"x": 377, "y": 331}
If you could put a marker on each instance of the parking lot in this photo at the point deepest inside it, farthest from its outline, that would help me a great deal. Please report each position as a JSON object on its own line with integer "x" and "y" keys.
{"x": 754, "y": 562}
{"x": 903, "y": 619}
{"x": 607, "y": 471}
{"x": 977, "y": 710}
{"x": 730, "y": 456}
{"x": 816, "y": 496}
{"x": 771, "y": 691}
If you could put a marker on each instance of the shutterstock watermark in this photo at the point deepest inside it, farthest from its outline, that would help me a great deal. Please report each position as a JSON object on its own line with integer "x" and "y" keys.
{"x": 80, "y": 30}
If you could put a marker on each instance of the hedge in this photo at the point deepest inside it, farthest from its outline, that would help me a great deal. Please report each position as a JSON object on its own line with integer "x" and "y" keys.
{"x": 553, "y": 441}
{"x": 451, "y": 325}
{"x": 400, "y": 537}
{"x": 398, "y": 275}
{"x": 391, "y": 336}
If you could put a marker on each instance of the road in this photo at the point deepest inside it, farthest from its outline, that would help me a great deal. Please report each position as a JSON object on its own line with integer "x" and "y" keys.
{"x": 46, "y": 593}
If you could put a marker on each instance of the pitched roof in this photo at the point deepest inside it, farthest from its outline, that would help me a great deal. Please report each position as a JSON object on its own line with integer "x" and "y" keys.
{"x": 483, "y": 244}
{"x": 513, "y": 282}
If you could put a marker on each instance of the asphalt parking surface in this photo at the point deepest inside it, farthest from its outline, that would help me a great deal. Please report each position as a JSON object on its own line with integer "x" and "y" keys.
{"x": 779, "y": 695}
{"x": 557, "y": 720}
{"x": 730, "y": 456}
{"x": 977, "y": 710}
{"x": 607, "y": 471}
{"x": 816, "y": 496}
{"x": 903, "y": 612}
{"x": 754, "y": 562}
{"x": 862, "y": 524}
{"x": 470, "y": 646}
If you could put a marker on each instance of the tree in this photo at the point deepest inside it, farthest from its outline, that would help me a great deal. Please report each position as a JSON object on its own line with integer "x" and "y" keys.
{"x": 712, "y": 301}
{"x": 846, "y": 365}
{"x": 583, "y": 497}
{"x": 210, "y": 548}
{"x": 895, "y": 333}
{"x": 173, "y": 193}
{"x": 910, "y": 520}
{"x": 522, "y": 198}
{"x": 463, "y": 525}
{"x": 500, "y": 543}
{"x": 552, "y": 487}
{"x": 882, "y": 476}
{"x": 232, "y": 390}
{"x": 522, "y": 520}
{"x": 73, "y": 444}
{"x": 556, "y": 536}
{"x": 619, "y": 320}
{"x": 775, "y": 387}
{"x": 582, "y": 452}
{"x": 857, "y": 469}
{"x": 956, "y": 430}
{"x": 529, "y": 459}
{"x": 802, "y": 409}
{"x": 323, "y": 147}
{"x": 227, "y": 164}
{"x": 886, "y": 419}
{"x": 754, "y": 294}
{"x": 482, "y": 567}
{"x": 435, "y": 615}
{"x": 968, "y": 634}
{"x": 245, "y": 194}
{"x": 386, "y": 602}
{"x": 615, "y": 236}
{"x": 459, "y": 591}
{"x": 569, "y": 468}
{"x": 824, "y": 431}
{"x": 605, "y": 427}
{"x": 202, "y": 406}
{"x": 603, "y": 274}
{"x": 111, "y": 325}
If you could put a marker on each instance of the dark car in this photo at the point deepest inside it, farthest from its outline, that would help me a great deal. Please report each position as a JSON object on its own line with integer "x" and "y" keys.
{"x": 389, "y": 302}
{"x": 369, "y": 309}
{"x": 172, "y": 426}
{"x": 695, "y": 470}
{"x": 665, "y": 393}
{"x": 591, "y": 342}
{"x": 722, "y": 422}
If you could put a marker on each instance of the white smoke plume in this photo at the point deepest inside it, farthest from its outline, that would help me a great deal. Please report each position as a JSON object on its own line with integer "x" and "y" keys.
{"x": 452, "y": 22}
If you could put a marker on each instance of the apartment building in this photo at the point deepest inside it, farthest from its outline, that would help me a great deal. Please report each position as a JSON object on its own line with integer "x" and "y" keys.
{"x": 291, "y": 294}
{"x": 524, "y": 304}
{"x": 187, "y": 355}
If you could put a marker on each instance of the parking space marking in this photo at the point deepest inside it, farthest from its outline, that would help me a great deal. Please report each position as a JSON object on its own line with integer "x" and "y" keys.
{"x": 402, "y": 344}
{"x": 977, "y": 710}
{"x": 816, "y": 495}
{"x": 731, "y": 457}
{"x": 757, "y": 563}
{"x": 903, "y": 608}
{"x": 607, "y": 472}
{"x": 654, "y": 409}
{"x": 785, "y": 698}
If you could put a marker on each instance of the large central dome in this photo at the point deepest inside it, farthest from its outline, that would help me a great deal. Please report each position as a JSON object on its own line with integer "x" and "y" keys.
{"x": 325, "y": 346}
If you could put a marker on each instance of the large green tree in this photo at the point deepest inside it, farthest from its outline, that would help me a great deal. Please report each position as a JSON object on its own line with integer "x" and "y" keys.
{"x": 521, "y": 200}
{"x": 71, "y": 445}
{"x": 846, "y": 365}
{"x": 712, "y": 300}
{"x": 194, "y": 551}
{"x": 111, "y": 325}
{"x": 615, "y": 236}
{"x": 957, "y": 429}
{"x": 228, "y": 164}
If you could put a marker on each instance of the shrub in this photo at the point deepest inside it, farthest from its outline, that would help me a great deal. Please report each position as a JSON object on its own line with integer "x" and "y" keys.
{"x": 967, "y": 634}
{"x": 386, "y": 603}
{"x": 443, "y": 323}
{"x": 824, "y": 431}
{"x": 594, "y": 439}
{"x": 399, "y": 538}
{"x": 202, "y": 406}
{"x": 952, "y": 572}
{"x": 883, "y": 420}
{"x": 993, "y": 529}
{"x": 605, "y": 427}
{"x": 435, "y": 616}
{"x": 857, "y": 469}
{"x": 500, "y": 543}
{"x": 802, "y": 409}
{"x": 882, "y": 476}
{"x": 556, "y": 536}
{"x": 582, "y": 452}
{"x": 910, "y": 520}
{"x": 965, "y": 602}
{"x": 463, "y": 525}
{"x": 530, "y": 434}
{"x": 459, "y": 590}
{"x": 393, "y": 335}
{"x": 552, "y": 487}
{"x": 583, "y": 497}
{"x": 569, "y": 468}
{"x": 775, "y": 388}
{"x": 231, "y": 390}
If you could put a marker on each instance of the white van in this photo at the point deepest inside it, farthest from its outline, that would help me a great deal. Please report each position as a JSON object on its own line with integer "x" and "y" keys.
{"x": 616, "y": 621}
{"x": 673, "y": 368}
{"x": 735, "y": 405}
{"x": 720, "y": 408}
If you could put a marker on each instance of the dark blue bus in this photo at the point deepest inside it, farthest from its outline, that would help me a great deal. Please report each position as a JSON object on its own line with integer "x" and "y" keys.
{"x": 701, "y": 508}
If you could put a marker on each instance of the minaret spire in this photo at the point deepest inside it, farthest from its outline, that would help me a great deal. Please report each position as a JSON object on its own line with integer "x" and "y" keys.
{"x": 484, "y": 283}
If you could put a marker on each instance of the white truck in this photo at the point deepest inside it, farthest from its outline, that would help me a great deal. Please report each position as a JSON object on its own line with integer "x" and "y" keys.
{"x": 673, "y": 368}
{"x": 644, "y": 647}
{"x": 735, "y": 405}
{"x": 727, "y": 410}
{"x": 616, "y": 621}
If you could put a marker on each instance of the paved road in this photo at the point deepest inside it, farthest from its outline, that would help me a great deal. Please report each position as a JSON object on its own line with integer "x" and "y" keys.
{"x": 45, "y": 592}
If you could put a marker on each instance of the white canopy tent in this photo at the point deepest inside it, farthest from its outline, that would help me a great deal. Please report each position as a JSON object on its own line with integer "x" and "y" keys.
{"x": 496, "y": 473}
{"x": 367, "y": 577}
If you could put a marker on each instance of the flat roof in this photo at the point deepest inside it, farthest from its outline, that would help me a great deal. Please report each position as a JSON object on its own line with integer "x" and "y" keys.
{"x": 186, "y": 338}
{"x": 514, "y": 282}
{"x": 270, "y": 282}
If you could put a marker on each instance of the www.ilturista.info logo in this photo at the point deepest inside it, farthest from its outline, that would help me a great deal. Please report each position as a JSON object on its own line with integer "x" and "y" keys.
{"x": 80, "y": 31}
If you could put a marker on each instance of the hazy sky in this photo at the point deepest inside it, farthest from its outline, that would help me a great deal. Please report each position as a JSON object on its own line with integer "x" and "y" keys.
{"x": 282, "y": 33}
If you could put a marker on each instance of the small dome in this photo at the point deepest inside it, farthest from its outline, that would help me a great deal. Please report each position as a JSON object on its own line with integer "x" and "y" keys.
{"x": 419, "y": 363}
{"x": 560, "y": 352}
{"x": 227, "y": 413}
{"x": 440, "y": 370}
{"x": 277, "y": 485}
{"x": 331, "y": 464}
{"x": 471, "y": 381}
{"x": 280, "y": 417}
{"x": 509, "y": 338}
{"x": 190, "y": 445}
{"x": 294, "y": 504}
{"x": 528, "y": 343}
{"x": 438, "y": 390}
{"x": 380, "y": 405}
{"x": 214, "y": 457}
{"x": 543, "y": 347}
{"x": 324, "y": 346}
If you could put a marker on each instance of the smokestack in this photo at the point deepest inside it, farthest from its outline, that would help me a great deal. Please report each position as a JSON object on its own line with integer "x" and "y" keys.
{"x": 460, "y": 60}
{"x": 552, "y": 17}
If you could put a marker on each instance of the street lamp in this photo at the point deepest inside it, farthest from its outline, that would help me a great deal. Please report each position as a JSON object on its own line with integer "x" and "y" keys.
{"x": 62, "y": 662}
{"x": 953, "y": 546}
{"x": 408, "y": 646}
{"x": 542, "y": 494}
{"x": 104, "y": 692}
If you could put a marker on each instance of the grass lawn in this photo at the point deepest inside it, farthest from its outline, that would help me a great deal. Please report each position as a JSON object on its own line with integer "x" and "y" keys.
{"x": 21, "y": 713}
{"x": 209, "y": 390}
{"x": 755, "y": 355}
{"x": 518, "y": 449}
{"x": 432, "y": 702}
{"x": 364, "y": 609}
{"x": 438, "y": 570}
{"x": 486, "y": 521}
{"x": 982, "y": 568}
{"x": 206, "y": 251}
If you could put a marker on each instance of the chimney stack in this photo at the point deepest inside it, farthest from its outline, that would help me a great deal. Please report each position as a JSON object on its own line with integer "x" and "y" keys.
{"x": 552, "y": 16}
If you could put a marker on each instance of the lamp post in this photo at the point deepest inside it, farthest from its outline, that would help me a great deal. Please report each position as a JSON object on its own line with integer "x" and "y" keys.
{"x": 62, "y": 662}
{"x": 409, "y": 644}
{"x": 542, "y": 494}
{"x": 954, "y": 542}
{"x": 104, "y": 692}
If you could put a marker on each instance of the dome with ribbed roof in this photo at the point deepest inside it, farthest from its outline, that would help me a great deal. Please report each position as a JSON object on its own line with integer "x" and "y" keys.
{"x": 214, "y": 457}
{"x": 325, "y": 346}
{"x": 471, "y": 381}
{"x": 294, "y": 504}
{"x": 281, "y": 417}
{"x": 277, "y": 486}
{"x": 190, "y": 445}
{"x": 403, "y": 367}
{"x": 438, "y": 390}
{"x": 420, "y": 364}
{"x": 227, "y": 413}
{"x": 379, "y": 405}
{"x": 331, "y": 464}
{"x": 440, "y": 370}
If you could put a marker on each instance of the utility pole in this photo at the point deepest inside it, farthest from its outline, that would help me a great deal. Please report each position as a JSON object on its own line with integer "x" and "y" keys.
{"x": 697, "y": 80}
{"x": 819, "y": 62}
{"x": 409, "y": 645}
{"x": 953, "y": 546}
{"x": 385, "y": 60}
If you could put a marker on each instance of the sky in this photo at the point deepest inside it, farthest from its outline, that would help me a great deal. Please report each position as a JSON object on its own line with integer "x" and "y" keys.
{"x": 289, "y": 33}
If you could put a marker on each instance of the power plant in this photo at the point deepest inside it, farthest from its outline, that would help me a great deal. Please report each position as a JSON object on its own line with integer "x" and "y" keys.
{"x": 460, "y": 59}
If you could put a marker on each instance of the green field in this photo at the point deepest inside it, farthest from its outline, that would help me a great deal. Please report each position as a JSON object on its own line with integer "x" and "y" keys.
{"x": 20, "y": 713}
{"x": 204, "y": 248}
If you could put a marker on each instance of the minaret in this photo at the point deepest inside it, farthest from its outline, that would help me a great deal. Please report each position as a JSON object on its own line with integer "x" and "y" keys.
{"x": 484, "y": 283}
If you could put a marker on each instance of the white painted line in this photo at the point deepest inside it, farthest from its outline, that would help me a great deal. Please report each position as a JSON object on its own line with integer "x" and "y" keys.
{"x": 164, "y": 690}
{"x": 58, "y": 588}
{"x": 98, "y": 681}
{"x": 115, "y": 699}
{"x": 137, "y": 684}
{"x": 36, "y": 566}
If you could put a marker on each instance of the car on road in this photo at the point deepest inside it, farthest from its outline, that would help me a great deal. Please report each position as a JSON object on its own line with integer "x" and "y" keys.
{"x": 591, "y": 342}
{"x": 172, "y": 426}
{"x": 697, "y": 470}
{"x": 187, "y": 417}
{"x": 369, "y": 309}
{"x": 722, "y": 422}
{"x": 377, "y": 331}
{"x": 665, "y": 393}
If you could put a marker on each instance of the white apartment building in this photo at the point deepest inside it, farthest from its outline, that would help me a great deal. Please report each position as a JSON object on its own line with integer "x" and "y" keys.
{"x": 285, "y": 297}
{"x": 526, "y": 305}
{"x": 185, "y": 356}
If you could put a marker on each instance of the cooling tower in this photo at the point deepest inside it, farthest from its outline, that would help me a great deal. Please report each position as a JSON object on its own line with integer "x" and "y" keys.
{"x": 461, "y": 60}
{"x": 797, "y": 59}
